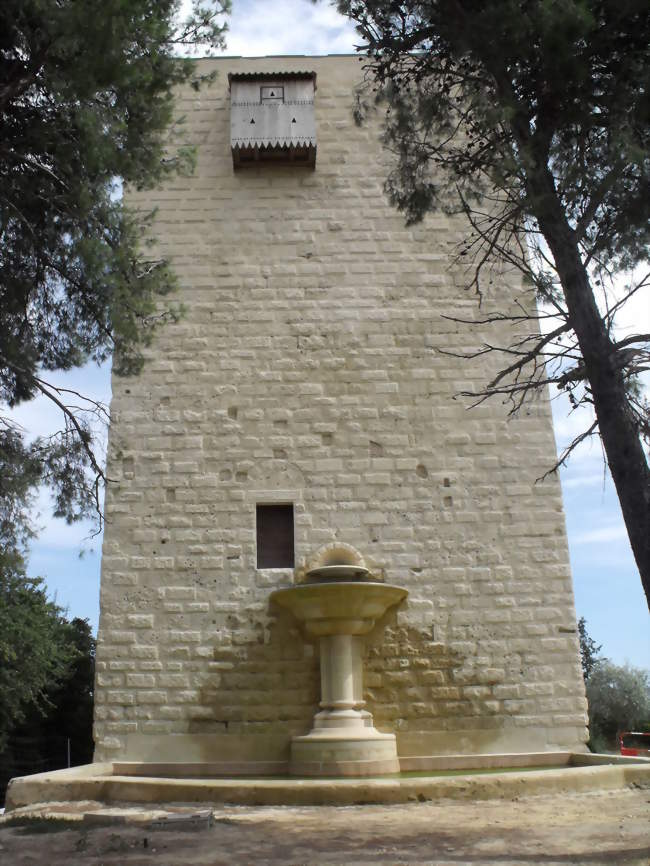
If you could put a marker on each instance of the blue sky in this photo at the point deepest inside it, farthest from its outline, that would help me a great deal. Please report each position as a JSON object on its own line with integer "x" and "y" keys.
{"x": 607, "y": 585}
{"x": 606, "y": 581}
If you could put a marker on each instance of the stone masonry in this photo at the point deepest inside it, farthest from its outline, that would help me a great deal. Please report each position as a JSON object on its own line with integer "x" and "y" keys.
{"x": 308, "y": 369}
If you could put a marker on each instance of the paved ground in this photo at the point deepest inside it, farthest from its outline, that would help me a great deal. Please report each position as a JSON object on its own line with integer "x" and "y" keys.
{"x": 599, "y": 828}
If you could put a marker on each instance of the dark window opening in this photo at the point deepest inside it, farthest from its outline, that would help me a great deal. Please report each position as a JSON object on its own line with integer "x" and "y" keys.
{"x": 275, "y": 536}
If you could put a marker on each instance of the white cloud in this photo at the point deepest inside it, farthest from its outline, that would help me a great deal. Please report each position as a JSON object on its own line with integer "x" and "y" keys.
{"x": 55, "y": 534}
{"x": 41, "y": 417}
{"x": 258, "y": 27}
{"x": 579, "y": 481}
{"x": 569, "y": 424}
{"x": 75, "y": 538}
{"x": 602, "y": 535}
{"x": 634, "y": 316}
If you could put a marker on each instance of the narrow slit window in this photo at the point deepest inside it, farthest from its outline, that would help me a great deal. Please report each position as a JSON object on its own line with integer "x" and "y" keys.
{"x": 275, "y": 536}
{"x": 272, "y": 94}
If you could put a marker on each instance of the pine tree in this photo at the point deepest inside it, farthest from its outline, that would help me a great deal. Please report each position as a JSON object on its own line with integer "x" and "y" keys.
{"x": 531, "y": 117}
{"x": 589, "y": 649}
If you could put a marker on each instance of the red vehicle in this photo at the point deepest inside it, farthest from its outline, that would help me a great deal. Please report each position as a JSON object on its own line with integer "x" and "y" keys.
{"x": 635, "y": 744}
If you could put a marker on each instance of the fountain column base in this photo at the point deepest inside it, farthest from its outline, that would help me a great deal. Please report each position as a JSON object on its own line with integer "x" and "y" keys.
{"x": 339, "y": 752}
{"x": 343, "y": 740}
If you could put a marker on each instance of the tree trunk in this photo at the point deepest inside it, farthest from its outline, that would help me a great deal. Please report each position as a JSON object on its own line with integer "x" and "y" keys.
{"x": 618, "y": 431}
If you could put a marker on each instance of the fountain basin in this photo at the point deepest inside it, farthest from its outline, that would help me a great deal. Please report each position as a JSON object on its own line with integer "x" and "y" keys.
{"x": 502, "y": 776}
{"x": 340, "y": 607}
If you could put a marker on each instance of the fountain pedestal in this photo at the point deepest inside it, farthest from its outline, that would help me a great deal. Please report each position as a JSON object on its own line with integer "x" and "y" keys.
{"x": 343, "y": 740}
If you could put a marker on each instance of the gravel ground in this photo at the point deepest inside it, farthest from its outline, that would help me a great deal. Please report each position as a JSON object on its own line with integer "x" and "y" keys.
{"x": 599, "y": 828}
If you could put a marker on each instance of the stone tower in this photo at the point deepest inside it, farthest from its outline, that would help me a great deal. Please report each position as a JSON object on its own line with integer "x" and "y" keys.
{"x": 302, "y": 404}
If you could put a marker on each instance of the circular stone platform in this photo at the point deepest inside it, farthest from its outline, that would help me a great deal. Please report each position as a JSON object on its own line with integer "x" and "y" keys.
{"x": 100, "y": 782}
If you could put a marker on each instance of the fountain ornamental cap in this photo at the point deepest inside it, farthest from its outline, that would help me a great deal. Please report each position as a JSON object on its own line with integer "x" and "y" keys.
{"x": 338, "y": 572}
{"x": 336, "y": 561}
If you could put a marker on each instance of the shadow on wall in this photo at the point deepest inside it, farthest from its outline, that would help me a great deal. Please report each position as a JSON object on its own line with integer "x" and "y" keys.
{"x": 269, "y": 687}
{"x": 260, "y": 692}
{"x": 413, "y": 683}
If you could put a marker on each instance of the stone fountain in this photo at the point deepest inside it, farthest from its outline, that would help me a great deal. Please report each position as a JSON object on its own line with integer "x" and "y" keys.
{"x": 339, "y": 603}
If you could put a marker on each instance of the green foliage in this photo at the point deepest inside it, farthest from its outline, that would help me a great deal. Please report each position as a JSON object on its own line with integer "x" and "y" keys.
{"x": 85, "y": 106}
{"x": 619, "y": 700}
{"x": 20, "y": 471}
{"x": 69, "y": 712}
{"x": 588, "y": 649}
{"x": 484, "y": 94}
{"x": 47, "y": 667}
{"x": 86, "y": 97}
{"x": 35, "y": 649}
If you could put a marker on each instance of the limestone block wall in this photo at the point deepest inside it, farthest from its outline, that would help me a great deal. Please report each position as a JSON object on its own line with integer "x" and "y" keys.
{"x": 307, "y": 369}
